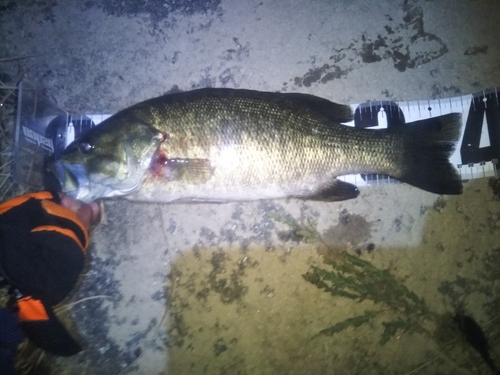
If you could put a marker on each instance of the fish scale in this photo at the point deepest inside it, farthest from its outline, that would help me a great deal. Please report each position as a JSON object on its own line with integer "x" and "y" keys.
{"x": 319, "y": 152}
{"x": 257, "y": 145}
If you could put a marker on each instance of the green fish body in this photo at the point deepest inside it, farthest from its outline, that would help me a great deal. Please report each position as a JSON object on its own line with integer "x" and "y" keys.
{"x": 220, "y": 145}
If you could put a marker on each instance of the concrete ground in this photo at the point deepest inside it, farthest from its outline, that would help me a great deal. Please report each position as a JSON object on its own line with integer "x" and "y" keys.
{"x": 220, "y": 289}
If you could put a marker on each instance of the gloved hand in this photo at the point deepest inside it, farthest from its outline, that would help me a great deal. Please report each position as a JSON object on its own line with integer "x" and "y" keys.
{"x": 43, "y": 239}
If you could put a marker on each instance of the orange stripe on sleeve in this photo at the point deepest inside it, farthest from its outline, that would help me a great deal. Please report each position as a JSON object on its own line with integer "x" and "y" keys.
{"x": 17, "y": 201}
{"x": 63, "y": 231}
{"x": 31, "y": 309}
{"x": 61, "y": 211}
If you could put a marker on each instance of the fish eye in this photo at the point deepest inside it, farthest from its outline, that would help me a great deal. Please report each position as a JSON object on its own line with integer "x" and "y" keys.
{"x": 86, "y": 147}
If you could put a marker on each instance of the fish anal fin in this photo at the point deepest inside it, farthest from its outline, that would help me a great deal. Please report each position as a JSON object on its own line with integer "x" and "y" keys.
{"x": 336, "y": 190}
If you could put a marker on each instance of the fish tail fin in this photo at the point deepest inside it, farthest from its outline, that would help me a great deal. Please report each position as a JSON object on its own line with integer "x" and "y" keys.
{"x": 428, "y": 146}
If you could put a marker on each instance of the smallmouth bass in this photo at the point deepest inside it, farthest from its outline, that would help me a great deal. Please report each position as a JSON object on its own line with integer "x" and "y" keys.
{"x": 218, "y": 145}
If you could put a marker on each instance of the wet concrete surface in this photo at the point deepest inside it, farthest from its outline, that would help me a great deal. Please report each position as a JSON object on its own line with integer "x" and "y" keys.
{"x": 219, "y": 288}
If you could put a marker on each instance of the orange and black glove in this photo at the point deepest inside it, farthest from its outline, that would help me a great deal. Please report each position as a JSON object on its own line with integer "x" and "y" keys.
{"x": 42, "y": 253}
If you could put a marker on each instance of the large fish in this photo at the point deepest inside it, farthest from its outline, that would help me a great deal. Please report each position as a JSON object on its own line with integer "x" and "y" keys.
{"x": 217, "y": 145}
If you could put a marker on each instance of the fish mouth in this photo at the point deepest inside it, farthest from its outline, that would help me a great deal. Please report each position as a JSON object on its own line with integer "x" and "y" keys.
{"x": 52, "y": 178}
{"x": 69, "y": 178}
{"x": 74, "y": 180}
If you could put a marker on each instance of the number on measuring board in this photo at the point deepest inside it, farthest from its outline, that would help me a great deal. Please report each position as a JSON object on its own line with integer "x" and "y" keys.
{"x": 484, "y": 110}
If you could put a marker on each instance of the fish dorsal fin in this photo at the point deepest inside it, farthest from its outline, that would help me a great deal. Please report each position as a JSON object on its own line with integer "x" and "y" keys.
{"x": 333, "y": 111}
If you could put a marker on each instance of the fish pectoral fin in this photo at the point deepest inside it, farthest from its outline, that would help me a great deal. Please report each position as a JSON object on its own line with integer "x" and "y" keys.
{"x": 336, "y": 190}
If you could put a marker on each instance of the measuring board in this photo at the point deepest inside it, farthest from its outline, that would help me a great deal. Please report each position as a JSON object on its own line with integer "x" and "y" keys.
{"x": 43, "y": 131}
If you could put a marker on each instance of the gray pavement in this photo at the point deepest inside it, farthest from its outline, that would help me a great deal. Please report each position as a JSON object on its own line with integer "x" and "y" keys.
{"x": 218, "y": 289}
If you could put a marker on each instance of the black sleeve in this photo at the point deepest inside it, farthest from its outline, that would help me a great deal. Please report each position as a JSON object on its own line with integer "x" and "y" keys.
{"x": 42, "y": 246}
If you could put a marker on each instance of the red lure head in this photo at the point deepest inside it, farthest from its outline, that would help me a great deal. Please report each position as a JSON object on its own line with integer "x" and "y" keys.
{"x": 158, "y": 163}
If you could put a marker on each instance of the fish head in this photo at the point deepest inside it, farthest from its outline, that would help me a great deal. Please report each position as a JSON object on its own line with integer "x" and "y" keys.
{"x": 110, "y": 160}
